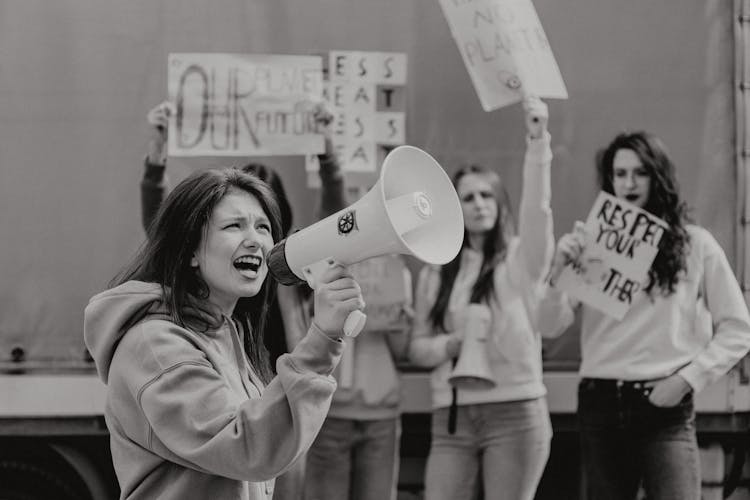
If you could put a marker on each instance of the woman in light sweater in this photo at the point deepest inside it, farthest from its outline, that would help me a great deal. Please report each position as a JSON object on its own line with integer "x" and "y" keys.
{"x": 686, "y": 328}
{"x": 506, "y": 428}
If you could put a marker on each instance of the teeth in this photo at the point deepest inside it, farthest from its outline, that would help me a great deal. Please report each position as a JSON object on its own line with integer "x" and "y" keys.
{"x": 249, "y": 259}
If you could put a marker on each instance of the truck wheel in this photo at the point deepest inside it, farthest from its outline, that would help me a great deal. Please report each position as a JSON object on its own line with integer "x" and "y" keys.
{"x": 27, "y": 481}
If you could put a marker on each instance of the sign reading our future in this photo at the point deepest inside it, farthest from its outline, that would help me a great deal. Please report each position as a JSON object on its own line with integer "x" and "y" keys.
{"x": 505, "y": 50}
{"x": 622, "y": 241}
{"x": 366, "y": 93}
{"x": 243, "y": 105}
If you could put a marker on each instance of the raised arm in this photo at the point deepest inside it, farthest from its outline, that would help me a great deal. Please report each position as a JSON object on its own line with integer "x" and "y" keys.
{"x": 332, "y": 195}
{"x": 154, "y": 182}
{"x": 535, "y": 215}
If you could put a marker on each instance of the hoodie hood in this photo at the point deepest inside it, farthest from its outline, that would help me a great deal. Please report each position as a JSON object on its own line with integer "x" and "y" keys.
{"x": 110, "y": 314}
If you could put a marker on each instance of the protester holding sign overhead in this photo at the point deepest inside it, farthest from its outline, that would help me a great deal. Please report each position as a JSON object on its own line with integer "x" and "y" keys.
{"x": 507, "y": 426}
{"x": 686, "y": 326}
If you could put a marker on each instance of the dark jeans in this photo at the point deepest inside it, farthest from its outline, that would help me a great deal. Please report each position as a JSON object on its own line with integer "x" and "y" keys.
{"x": 627, "y": 442}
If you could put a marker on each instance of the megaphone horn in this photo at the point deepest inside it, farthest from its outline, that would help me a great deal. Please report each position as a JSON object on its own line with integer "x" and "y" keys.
{"x": 413, "y": 209}
{"x": 472, "y": 371}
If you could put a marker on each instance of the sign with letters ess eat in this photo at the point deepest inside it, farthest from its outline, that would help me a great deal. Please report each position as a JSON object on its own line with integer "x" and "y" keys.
{"x": 622, "y": 241}
{"x": 244, "y": 104}
{"x": 505, "y": 50}
{"x": 366, "y": 92}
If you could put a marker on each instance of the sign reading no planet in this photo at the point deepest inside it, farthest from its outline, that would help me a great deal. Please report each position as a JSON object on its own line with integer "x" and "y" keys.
{"x": 505, "y": 50}
{"x": 622, "y": 241}
{"x": 243, "y": 105}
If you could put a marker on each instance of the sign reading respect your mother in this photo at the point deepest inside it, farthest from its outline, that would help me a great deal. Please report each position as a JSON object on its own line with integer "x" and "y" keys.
{"x": 622, "y": 241}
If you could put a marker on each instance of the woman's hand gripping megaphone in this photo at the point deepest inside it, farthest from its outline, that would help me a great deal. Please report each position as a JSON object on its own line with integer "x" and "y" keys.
{"x": 338, "y": 298}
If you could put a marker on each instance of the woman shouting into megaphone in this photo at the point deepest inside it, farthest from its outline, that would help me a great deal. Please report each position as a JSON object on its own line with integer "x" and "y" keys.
{"x": 192, "y": 407}
{"x": 504, "y": 422}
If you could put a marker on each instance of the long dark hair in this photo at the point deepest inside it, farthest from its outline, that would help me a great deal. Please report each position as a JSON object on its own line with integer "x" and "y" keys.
{"x": 663, "y": 201}
{"x": 173, "y": 238}
{"x": 494, "y": 250}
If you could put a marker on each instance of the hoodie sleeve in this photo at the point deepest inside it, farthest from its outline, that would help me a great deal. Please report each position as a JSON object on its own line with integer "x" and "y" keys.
{"x": 194, "y": 418}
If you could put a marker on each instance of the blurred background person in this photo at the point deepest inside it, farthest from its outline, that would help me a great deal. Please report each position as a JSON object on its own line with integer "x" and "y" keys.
{"x": 506, "y": 429}
{"x": 685, "y": 329}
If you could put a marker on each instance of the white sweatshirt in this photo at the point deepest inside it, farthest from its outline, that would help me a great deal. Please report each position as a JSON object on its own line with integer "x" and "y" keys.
{"x": 514, "y": 349}
{"x": 700, "y": 331}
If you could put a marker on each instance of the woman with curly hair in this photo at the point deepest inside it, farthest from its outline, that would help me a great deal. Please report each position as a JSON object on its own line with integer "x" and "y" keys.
{"x": 686, "y": 328}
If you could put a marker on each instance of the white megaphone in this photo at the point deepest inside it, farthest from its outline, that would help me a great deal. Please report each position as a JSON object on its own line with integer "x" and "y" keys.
{"x": 412, "y": 209}
{"x": 472, "y": 371}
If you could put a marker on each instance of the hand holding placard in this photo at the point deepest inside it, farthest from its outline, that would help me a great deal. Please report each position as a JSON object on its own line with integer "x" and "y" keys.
{"x": 537, "y": 116}
{"x": 607, "y": 263}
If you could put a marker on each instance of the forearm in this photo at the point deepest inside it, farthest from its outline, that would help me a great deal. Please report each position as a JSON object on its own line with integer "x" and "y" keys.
{"x": 332, "y": 195}
{"x": 153, "y": 189}
{"x": 429, "y": 351}
{"x": 535, "y": 215}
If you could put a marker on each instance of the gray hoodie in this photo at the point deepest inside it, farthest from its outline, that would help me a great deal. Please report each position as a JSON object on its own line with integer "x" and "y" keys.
{"x": 188, "y": 418}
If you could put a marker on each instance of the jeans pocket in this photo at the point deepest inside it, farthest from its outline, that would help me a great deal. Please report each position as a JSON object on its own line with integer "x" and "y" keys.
{"x": 686, "y": 403}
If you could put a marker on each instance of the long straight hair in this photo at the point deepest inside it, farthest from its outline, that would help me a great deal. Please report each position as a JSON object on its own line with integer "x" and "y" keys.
{"x": 173, "y": 238}
{"x": 663, "y": 201}
{"x": 494, "y": 250}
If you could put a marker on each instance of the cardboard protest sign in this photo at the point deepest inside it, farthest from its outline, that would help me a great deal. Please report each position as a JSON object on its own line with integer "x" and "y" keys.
{"x": 366, "y": 93}
{"x": 244, "y": 105}
{"x": 505, "y": 50}
{"x": 384, "y": 291}
{"x": 622, "y": 241}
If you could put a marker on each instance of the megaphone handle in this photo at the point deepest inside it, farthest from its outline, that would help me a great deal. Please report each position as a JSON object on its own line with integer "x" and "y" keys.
{"x": 354, "y": 323}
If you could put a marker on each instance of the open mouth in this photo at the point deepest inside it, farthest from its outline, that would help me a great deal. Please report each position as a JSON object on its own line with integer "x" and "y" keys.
{"x": 248, "y": 265}
{"x": 632, "y": 197}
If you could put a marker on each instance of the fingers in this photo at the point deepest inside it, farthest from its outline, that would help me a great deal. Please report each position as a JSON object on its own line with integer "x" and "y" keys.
{"x": 322, "y": 114}
{"x": 333, "y": 272}
{"x": 537, "y": 115}
{"x": 338, "y": 285}
{"x": 158, "y": 116}
{"x": 571, "y": 246}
